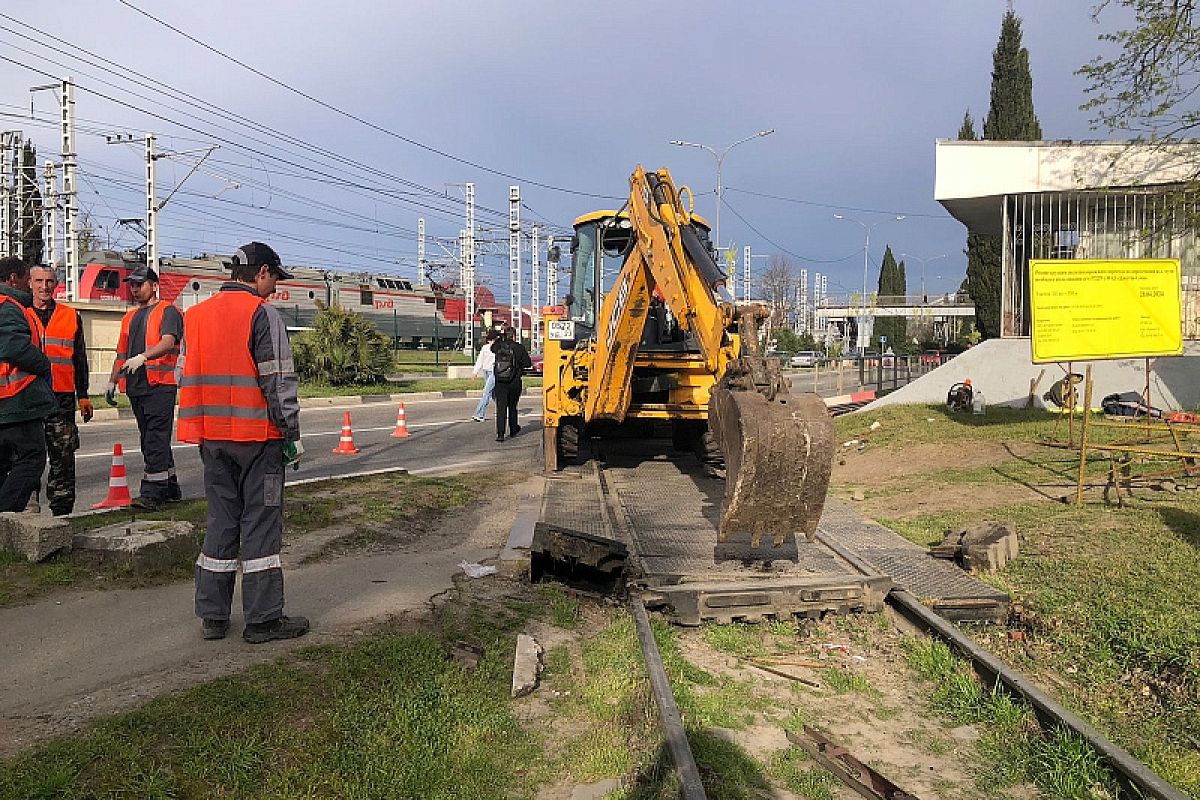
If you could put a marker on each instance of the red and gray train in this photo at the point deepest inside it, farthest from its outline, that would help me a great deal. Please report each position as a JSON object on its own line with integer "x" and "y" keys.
{"x": 412, "y": 315}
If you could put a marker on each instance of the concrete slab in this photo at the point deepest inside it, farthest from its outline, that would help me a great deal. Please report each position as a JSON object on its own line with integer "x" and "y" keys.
{"x": 527, "y": 665}
{"x": 33, "y": 535}
{"x": 139, "y": 544}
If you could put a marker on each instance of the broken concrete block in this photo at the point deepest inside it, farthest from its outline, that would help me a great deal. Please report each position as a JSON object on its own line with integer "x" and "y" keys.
{"x": 527, "y": 665}
{"x": 858, "y": 495}
{"x": 984, "y": 546}
{"x": 142, "y": 544}
{"x": 33, "y": 535}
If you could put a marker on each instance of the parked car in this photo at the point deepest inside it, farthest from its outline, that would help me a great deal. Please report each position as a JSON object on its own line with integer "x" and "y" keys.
{"x": 806, "y": 358}
{"x": 536, "y": 369}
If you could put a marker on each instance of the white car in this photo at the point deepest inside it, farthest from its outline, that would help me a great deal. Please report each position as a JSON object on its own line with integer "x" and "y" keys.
{"x": 806, "y": 358}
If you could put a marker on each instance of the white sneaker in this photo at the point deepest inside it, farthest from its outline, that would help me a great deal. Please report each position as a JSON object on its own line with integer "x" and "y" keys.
{"x": 477, "y": 419}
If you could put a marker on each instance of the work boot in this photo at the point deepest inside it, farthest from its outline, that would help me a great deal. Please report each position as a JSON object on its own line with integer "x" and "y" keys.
{"x": 500, "y": 438}
{"x": 282, "y": 628}
{"x": 215, "y": 628}
{"x": 144, "y": 503}
{"x": 516, "y": 429}
{"x": 174, "y": 495}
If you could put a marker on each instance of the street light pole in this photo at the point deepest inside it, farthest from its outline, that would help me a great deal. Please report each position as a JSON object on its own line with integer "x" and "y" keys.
{"x": 866, "y": 261}
{"x": 720, "y": 161}
{"x": 923, "y": 262}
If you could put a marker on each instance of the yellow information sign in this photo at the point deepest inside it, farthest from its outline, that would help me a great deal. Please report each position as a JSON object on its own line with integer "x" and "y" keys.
{"x": 1096, "y": 309}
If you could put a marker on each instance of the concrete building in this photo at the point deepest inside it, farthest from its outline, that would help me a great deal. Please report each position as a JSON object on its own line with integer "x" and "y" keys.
{"x": 1069, "y": 200}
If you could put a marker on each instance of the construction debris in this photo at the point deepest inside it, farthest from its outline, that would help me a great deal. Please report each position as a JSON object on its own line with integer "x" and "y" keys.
{"x": 527, "y": 665}
{"x": 982, "y": 547}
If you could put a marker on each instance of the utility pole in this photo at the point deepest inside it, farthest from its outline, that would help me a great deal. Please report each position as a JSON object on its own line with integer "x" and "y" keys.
{"x": 50, "y": 206}
{"x": 19, "y": 192}
{"x": 514, "y": 258}
{"x": 469, "y": 341}
{"x": 151, "y": 207}
{"x": 745, "y": 274}
{"x": 6, "y": 222}
{"x": 420, "y": 250}
{"x": 69, "y": 193}
{"x": 552, "y": 256}
{"x": 535, "y": 294}
{"x": 802, "y": 303}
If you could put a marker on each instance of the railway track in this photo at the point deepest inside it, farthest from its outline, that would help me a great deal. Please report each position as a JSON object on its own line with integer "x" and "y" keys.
{"x": 1136, "y": 779}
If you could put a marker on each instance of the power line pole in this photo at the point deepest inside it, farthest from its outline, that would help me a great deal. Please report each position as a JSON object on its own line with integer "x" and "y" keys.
{"x": 420, "y": 250}
{"x": 514, "y": 258}
{"x": 5, "y": 196}
{"x": 469, "y": 341}
{"x": 802, "y": 302}
{"x": 50, "y": 207}
{"x": 69, "y": 193}
{"x": 552, "y": 255}
{"x": 19, "y": 195}
{"x": 151, "y": 207}
{"x": 535, "y": 294}
{"x": 745, "y": 274}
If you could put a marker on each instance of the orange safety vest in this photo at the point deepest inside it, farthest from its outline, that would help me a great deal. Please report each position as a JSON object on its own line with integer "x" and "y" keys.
{"x": 13, "y": 381}
{"x": 59, "y": 339}
{"x": 219, "y": 395}
{"x": 159, "y": 371}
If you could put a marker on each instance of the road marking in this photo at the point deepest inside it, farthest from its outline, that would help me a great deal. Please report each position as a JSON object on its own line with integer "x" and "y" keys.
{"x": 182, "y": 446}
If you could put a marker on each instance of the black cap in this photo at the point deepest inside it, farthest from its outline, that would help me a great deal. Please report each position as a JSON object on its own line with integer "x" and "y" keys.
{"x": 257, "y": 254}
{"x": 141, "y": 275}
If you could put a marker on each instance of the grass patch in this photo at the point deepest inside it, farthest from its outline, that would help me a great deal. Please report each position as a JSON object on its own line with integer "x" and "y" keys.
{"x": 397, "y": 509}
{"x": 738, "y": 639}
{"x": 389, "y": 716}
{"x": 794, "y": 769}
{"x": 1012, "y": 748}
{"x": 844, "y": 681}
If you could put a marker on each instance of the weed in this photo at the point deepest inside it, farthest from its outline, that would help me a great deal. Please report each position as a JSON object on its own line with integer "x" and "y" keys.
{"x": 792, "y": 767}
{"x": 561, "y": 609}
{"x": 740, "y": 639}
{"x": 845, "y": 681}
{"x": 931, "y": 658}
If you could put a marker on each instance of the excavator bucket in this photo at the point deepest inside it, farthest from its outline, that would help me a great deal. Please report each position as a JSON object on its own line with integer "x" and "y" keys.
{"x": 778, "y": 456}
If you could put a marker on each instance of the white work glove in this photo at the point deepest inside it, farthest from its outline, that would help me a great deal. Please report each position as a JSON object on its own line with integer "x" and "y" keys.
{"x": 292, "y": 453}
{"x": 133, "y": 364}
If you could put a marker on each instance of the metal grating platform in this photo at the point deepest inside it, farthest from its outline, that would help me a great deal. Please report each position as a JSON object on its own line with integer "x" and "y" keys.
{"x": 939, "y": 583}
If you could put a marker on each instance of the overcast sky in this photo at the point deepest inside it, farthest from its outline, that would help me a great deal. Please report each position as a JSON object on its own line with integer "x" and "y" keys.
{"x": 564, "y": 94}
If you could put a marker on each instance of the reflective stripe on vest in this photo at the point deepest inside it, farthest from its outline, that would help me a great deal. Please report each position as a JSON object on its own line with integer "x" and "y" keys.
{"x": 59, "y": 343}
{"x": 161, "y": 370}
{"x": 219, "y": 395}
{"x": 12, "y": 379}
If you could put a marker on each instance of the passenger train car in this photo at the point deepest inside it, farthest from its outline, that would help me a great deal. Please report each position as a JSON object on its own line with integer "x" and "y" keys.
{"x": 412, "y": 315}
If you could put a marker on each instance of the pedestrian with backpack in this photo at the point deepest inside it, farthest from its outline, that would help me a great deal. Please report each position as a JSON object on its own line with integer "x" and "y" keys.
{"x": 511, "y": 361}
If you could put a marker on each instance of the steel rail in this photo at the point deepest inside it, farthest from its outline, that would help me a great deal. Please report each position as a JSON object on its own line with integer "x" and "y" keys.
{"x": 1137, "y": 779}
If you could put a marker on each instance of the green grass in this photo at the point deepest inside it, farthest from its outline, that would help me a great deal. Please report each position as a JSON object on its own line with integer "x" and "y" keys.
{"x": 739, "y": 639}
{"x": 840, "y": 680}
{"x": 389, "y": 716}
{"x": 795, "y": 770}
{"x": 396, "y": 509}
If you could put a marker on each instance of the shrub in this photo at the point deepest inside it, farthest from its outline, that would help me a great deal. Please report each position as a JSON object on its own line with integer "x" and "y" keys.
{"x": 342, "y": 349}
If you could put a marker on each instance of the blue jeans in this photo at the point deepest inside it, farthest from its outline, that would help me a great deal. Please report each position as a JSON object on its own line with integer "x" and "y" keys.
{"x": 489, "y": 383}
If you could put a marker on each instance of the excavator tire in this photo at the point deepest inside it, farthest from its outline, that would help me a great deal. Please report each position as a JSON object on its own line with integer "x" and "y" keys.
{"x": 778, "y": 457}
{"x": 567, "y": 443}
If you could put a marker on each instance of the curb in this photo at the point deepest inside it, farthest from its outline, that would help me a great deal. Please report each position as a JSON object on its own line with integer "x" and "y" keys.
{"x": 108, "y": 414}
{"x": 855, "y": 397}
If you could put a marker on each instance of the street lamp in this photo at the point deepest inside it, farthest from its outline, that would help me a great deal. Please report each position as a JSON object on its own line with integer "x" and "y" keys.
{"x": 720, "y": 160}
{"x": 923, "y": 262}
{"x": 866, "y": 250}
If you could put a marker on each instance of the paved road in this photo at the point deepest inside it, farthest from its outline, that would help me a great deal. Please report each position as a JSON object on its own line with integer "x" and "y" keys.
{"x": 444, "y": 438}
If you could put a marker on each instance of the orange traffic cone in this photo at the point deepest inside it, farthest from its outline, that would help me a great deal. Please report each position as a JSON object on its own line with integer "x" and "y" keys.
{"x": 401, "y": 425}
{"x": 118, "y": 487}
{"x": 346, "y": 442}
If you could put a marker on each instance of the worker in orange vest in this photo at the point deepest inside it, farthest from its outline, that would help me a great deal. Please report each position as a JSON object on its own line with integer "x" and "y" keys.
{"x": 238, "y": 401}
{"x": 145, "y": 370}
{"x": 64, "y": 345}
{"x": 25, "y": 396}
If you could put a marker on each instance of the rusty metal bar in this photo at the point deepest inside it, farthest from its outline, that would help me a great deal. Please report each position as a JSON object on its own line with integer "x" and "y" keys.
{"x": 848, "y": 769}
{"x": 691, "y": 788}
{"x": 1083, "y": 436}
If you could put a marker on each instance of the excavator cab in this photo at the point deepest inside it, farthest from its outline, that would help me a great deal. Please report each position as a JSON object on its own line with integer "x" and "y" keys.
{"x": 647, "y": 333}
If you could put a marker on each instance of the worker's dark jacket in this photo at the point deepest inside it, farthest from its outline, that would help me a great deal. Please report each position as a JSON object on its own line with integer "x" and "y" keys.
{"x": 36, "y": 401}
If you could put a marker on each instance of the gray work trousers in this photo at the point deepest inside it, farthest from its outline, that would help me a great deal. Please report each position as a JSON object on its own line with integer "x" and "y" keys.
{"x": 243, "y": 482}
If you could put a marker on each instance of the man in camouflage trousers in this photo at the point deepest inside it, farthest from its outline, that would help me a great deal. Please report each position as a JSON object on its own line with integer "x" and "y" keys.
{"x": 63, "y": 343}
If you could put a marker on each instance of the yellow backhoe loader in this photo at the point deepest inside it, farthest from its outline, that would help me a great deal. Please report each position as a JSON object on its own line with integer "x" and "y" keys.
{"x": 648, "y": 332}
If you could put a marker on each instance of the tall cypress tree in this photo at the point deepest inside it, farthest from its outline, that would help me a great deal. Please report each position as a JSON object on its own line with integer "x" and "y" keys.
{"x": 1010, "y": 117}
{"x": 966, "y": 131}
{"x": 891, "y": 285}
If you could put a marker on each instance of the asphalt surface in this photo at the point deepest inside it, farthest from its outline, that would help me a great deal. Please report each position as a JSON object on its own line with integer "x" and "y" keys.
{"x": 444, "y": 439}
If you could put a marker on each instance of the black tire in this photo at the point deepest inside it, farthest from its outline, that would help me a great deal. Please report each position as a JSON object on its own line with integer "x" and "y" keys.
{"x": 707, "y": 450}
{"x": 567, "y": 442}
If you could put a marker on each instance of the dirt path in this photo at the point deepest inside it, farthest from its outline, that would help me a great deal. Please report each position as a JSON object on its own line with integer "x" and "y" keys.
{"x": 78, "y": 655}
